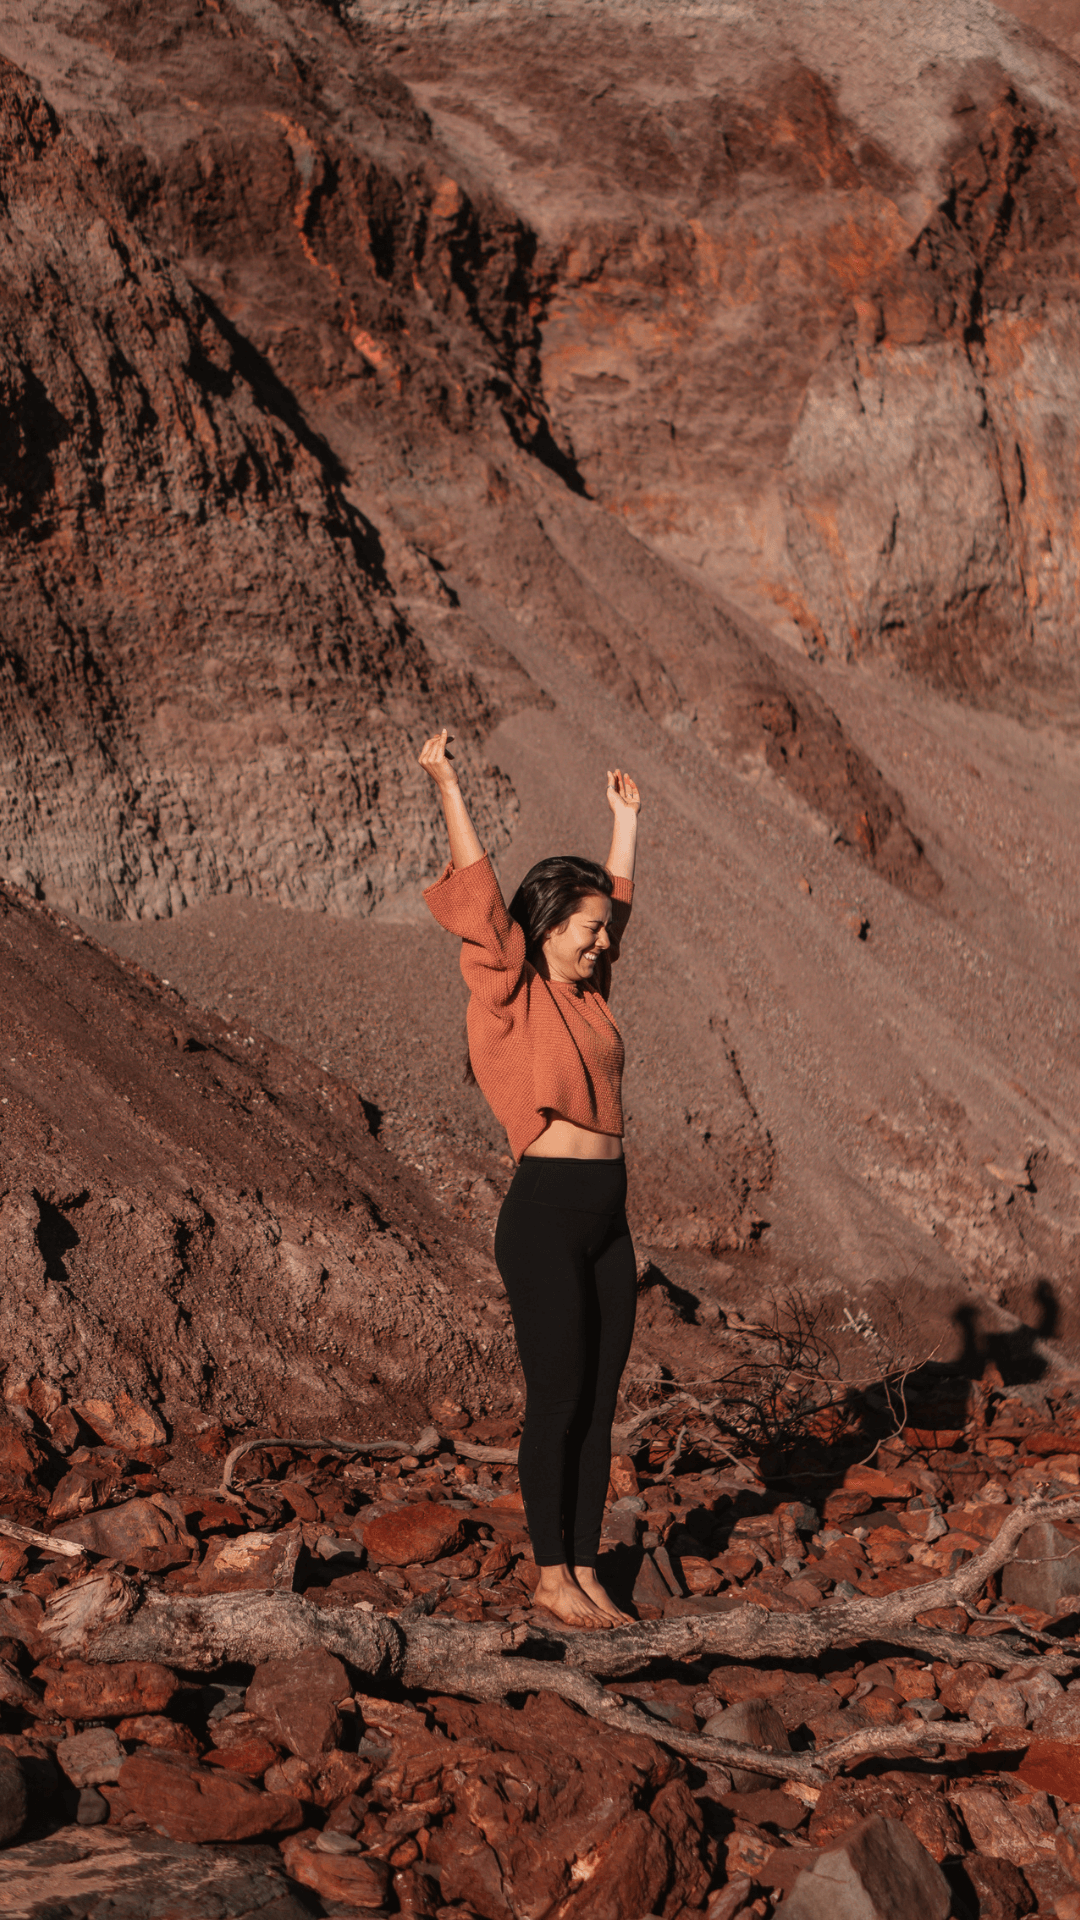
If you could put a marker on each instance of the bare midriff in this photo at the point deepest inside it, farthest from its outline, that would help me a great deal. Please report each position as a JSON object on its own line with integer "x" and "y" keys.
{"x": 562, "y": 1140}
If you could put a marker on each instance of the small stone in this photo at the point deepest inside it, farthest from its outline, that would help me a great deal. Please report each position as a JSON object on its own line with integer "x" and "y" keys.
{"x": 330, "y": 1841}
{"x": 754, "y": 1723}
{"x": 91, "y": 1757}
{"x": 413, "y": 1535}
{"x": 92, "y": 1809}
{"x": 1044, "y": 1570}
{"x": 12, "y": 1797}
{"x": 878, "y": 1872}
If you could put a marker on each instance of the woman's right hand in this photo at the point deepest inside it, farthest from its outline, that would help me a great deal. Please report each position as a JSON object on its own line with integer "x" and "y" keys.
{"x": 436, "y": 760}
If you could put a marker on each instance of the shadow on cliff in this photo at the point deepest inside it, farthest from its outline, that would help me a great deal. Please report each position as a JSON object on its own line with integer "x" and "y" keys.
{"x": 278, "y": 400}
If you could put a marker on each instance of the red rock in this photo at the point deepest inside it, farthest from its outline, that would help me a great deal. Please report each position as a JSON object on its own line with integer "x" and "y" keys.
{"x": 189, "y": 1802}
{"x": 20, "y": 1456}
{"x": 624, "y": 1477}
{"x": 1001, "y": 1889}
{"x": 152, "y": 1730}
{"x": 896, "y": 1485}
{"x": 754, "y": 1723}
{"x": 13, "y": 1796}
{"x": 958, "y": 1687}
{"x": 747, "y": 1683}
{"x": 413, "y": 1535}
{"x": 138, "y": 1533}
{"x": 354, "y": 1878}
{"x": 997, "y": 1704}
{"x": 250, "y": 1560}
{"x": 1053, "y": 1766}
{"x": 249, "y": 1757}
{"x": 879, "y": 1872}
{"x": 945, "y": 1619}
{"x": 122, "y": 1422}
{"x": 728, "y": 1901}
{"x": 92, "y": 1757}
{"x": 1044, "y": 1570}
{"x": 85, "y": 1692}
{"x": 999, "y": 1828}
{"x": 699, "y": 1575}
{"x": 327, "y": 1781}
{"x": 1048, "y": 1440}
{"x": 297, "y": 1698}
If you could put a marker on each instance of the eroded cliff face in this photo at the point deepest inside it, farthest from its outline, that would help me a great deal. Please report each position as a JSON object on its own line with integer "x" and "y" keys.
{"x": 636, "y": 384}
{"x": 207, "y": 683}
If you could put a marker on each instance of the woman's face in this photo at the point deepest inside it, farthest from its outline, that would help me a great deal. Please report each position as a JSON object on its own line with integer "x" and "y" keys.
{"x": 572, "y": 951}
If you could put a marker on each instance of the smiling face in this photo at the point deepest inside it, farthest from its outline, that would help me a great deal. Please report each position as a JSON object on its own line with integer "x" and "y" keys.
{"x": 572, "y": 952}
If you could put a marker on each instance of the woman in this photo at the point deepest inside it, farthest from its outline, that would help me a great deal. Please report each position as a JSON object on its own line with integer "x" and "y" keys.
{"x": 548, "y": 1057}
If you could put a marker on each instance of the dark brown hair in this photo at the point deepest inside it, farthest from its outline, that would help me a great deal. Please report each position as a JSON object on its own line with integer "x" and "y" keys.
{"x": 546, "y": 898}
{"x": 550, "y": 892}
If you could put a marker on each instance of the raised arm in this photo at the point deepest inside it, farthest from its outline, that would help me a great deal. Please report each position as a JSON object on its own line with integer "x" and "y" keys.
{"x": 625, "y": 802}
{"x": 465, "y": 848}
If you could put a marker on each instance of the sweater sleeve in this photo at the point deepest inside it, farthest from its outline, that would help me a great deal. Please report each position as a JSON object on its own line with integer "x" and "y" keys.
{"x": 622, "y": 898}
{"x": 467, "y": 901}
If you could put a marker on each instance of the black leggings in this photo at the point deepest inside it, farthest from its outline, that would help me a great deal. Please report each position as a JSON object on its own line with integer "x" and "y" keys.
{"x": 564, "y": 1251}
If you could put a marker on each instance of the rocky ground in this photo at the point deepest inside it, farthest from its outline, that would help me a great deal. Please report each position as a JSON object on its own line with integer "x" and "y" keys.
{"x": 927, "y": 1768}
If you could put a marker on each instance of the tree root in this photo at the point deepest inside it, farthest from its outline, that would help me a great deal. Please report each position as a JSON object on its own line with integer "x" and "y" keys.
{"x": 108, "y": 1618}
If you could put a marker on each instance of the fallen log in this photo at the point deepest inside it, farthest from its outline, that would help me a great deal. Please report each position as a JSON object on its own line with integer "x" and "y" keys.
{"x": 110, "y": 1618}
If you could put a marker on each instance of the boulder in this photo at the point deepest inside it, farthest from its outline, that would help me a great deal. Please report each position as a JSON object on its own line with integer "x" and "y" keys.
{"x": 297, "y": 1699}
{"x": 12, "y": 1797}
{"x": 353, "y": 1878}
{"x": 137, "y": 1532}
{"x": 412, "y": 1535}
{"x": 1044, "y": 1570}
{"x": 80, "y": 1691}
{"x": 1002, "y": 1829}
{"x": 756, "y": 1723}
{"x": 189, "y": 1802}
{"x": 878, "y": 1872}
{"x": 91, "y": 1757}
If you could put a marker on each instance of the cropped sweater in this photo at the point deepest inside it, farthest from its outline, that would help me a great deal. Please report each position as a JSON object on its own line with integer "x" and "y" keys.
{"x": 537, "y": 1046}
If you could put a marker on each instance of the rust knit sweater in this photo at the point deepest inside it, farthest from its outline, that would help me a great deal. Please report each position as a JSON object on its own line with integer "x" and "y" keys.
{"x": 537, "y": 1046}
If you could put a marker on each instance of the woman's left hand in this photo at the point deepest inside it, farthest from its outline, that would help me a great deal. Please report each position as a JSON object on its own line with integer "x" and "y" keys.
{"x": 622, "y": 794}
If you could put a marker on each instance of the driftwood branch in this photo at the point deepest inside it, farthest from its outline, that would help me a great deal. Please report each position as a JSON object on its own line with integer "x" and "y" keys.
{"x": 108, "y": 1618}
{"x": 429, "y": 1441}
{"x": 47, "y": 1542}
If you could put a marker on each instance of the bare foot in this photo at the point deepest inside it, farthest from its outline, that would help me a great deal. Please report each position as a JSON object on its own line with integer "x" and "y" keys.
{"x": 590, "y": 1585}
{"x": 559, "y": 1593}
